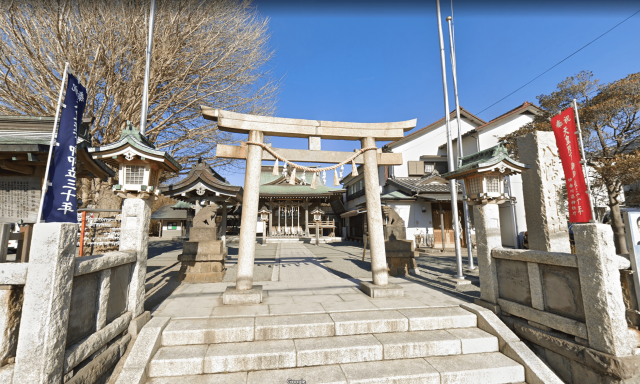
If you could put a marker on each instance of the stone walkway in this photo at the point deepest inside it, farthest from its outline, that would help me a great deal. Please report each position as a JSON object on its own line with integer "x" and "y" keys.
{"x": 305, "y": 286}
{"x": 297, "y": 263}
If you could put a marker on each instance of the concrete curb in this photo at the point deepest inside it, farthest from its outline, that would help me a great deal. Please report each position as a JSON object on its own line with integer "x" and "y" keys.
{"x": 275, "y": 274}
{"x": 146, "y": 345}
{"x": 536, "y": 371}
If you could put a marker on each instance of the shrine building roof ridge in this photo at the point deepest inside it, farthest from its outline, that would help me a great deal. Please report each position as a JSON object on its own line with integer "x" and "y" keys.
{"x": 202, "y": 173}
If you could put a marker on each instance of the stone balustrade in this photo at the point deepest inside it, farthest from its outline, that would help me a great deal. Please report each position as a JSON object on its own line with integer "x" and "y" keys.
{"x": 68, "y": 319}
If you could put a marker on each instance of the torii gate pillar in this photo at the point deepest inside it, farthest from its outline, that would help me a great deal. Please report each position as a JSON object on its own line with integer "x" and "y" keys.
{"x": 258, "y": 126}
{"x": 374, "y": 218}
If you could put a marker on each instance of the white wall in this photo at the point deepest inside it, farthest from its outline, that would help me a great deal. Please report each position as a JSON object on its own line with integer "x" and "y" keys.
{"x": 426, "y": 144}
{"x": 415, "y": 220}
{"x": 490, "y": 136}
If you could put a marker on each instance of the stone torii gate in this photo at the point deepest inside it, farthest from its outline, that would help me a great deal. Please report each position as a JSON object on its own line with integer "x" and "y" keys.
{"x": 259, "y": 126}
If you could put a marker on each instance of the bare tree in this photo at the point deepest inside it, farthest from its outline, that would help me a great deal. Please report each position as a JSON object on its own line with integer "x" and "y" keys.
{"x": 211, "y": 53}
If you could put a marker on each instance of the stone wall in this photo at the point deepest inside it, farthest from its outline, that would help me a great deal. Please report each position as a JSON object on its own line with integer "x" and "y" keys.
{"x": 576, "y": 311}
{"x": 64, "y": 318}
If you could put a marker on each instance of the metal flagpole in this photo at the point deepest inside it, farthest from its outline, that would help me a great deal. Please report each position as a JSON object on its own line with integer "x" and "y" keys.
{"x": 452, "y": 182}
{"x": 465, "y": 206}
{"x": 145, "y": 94}
{"x": 584, "y": 163}
{"x": 45, "y": 183}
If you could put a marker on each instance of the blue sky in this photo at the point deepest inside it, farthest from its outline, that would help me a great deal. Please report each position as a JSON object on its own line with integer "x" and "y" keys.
{"x": 378, "y": 62}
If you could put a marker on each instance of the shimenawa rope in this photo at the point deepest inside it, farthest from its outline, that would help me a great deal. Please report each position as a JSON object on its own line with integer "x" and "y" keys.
{"x": 354, "y": 169}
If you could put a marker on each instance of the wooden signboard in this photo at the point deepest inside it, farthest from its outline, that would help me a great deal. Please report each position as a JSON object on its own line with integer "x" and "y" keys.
{"x": 19, "y": 199}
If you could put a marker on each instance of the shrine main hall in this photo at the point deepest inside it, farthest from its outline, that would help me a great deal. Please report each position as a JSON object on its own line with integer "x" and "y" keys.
{"x": 292, "y": 206}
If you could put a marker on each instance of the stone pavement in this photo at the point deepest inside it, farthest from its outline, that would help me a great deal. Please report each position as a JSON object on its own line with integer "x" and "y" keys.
{"x": 314, "y": 324}
{"x": 306, "y": 285}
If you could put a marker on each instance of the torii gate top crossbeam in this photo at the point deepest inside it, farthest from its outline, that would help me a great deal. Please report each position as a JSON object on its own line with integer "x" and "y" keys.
{"x": 278, "y": 126}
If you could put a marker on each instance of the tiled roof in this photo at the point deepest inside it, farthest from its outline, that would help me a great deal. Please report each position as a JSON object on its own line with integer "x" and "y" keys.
{"x": 396, "y": 195}
{"x": 169, "y": 213}
{"x": 131, "y": 136}
{"x": 201, "y": 173}
{"x": 425, "y": 184}
{"x": 485, "y": 159}
{"x": 463, "y": 112}
{"x": 272, "y": 185}
{"x": 517, "y": 109}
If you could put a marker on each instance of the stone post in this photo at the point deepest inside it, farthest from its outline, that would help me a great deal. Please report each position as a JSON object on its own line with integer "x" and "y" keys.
{"x": 601, "y": 289}
{"x": 45, "y": 310}
{"x": 5, "y": 231}
{"x": 487, "y": 221}
{"x": 189, "y": 221}
{"x": 374, "y": 214}
{"x": 223, "y": 225}
{"x": 306, "y": 218}
{"x": 247, "y": 247}
{"x": 11, "y": 298}
{"x": 134, "y": 236}
{"x": 542, "y": 186}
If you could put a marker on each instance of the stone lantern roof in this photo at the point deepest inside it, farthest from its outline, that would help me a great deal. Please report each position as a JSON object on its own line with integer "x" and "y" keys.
{"x": 131, "y": 144}
{"x": 491, "y": 159}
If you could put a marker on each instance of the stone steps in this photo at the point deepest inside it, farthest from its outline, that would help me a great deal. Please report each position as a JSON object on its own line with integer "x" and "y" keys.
{"x": 289, "y": 353}
{"x": 489, "y": 368}
{"x": 429, "y": 345}
{"x": 239, "y": 329}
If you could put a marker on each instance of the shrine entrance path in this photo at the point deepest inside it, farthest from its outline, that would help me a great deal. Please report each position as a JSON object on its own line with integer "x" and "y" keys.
{"x": 306, "y": 285}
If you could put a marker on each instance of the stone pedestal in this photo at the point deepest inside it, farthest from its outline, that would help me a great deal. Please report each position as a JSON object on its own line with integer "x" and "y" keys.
{"x": 234, "y": 296}
{"x": 401, "y": 257}
{"x": 381, "y": 291}
{"x": 202, "y": 257}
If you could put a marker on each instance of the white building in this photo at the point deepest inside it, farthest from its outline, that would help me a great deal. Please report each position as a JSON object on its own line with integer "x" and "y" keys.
{"x": 417, "y": 192}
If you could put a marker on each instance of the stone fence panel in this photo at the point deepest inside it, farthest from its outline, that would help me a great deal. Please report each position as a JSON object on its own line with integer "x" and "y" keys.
{"x": 64, "y": 319}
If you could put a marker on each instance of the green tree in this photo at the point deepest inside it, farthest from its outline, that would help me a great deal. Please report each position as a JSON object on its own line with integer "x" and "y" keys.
{"x": 610, "y": 122}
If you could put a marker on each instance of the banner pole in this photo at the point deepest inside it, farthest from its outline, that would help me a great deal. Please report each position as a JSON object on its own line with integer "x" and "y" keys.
{"x": 453, "y": 186}
{"x": 45, "y": 183}
{"x": 584, "y": 162}
{"x": 147, "y": 69}
{"x": 465, "y": 205}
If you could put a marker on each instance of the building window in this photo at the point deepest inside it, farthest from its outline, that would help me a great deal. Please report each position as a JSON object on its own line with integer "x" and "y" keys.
{"x": 133, "y": 174}
{"x": 428, "y": 168}
{"x": 475, "y": 185}
{"x": 493, "y": 184}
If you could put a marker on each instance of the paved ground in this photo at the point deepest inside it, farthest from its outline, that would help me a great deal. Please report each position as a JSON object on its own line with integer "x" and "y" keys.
{"x": 307, "y": 285}
{"x": 263, "y": 262}
{"x": 345, "y": 260}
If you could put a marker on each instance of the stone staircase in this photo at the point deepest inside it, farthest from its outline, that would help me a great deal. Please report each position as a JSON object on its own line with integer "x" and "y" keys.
{"x": 420, "y": 345}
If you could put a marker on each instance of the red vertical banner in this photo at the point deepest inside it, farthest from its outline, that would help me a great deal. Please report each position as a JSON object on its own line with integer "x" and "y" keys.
{"x": 564, "y": 128}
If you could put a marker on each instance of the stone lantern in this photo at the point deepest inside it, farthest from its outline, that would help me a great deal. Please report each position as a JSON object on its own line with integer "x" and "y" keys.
{"x": 483, "y": 174}
{"x": 264, "y": 216}
{"x": 317, "y": 218}
{"x": 139, "y": 164}
{"x": 317, "y": 214}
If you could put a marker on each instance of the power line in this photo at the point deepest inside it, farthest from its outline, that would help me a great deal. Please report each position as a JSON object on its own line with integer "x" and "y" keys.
{"x": 560, "y": 62}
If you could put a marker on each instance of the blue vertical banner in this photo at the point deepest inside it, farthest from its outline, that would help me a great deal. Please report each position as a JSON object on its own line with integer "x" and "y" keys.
{"x": 61, "y": 201}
